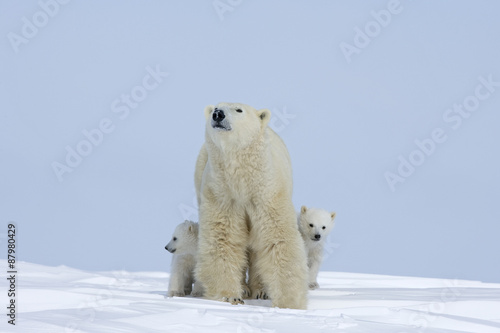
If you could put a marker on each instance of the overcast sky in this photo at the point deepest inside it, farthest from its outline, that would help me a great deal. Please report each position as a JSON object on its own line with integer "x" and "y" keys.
{"x": 390, "y": 111}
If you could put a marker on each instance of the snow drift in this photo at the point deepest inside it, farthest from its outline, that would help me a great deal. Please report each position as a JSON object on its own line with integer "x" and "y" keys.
{"x": 63, "y": 299}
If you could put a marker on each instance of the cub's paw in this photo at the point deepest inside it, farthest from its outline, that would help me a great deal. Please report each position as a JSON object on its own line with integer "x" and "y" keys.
{"x": 313, "y": 285}
{"x": 176, "y": 293}
{"x": 233, "y": 300}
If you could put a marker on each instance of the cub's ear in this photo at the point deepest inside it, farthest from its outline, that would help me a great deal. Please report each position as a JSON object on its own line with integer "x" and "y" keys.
{"x": 333, "y": 215}
{"x": 303, "y": 209}
{"x": 193, "y": 228}
{"x": 265, "y": 116}
{"x": 208, "y": 110}
{"x": 190, "y": 225}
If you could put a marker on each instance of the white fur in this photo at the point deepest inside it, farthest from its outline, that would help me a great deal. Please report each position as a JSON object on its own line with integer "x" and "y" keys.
{"x": 184, "y": 246}
{"x": 243, "y": 182}
{"x": 314, "y": 225}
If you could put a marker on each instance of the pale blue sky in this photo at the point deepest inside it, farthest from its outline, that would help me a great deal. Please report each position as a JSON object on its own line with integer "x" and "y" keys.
{"x": 347, "y": 122}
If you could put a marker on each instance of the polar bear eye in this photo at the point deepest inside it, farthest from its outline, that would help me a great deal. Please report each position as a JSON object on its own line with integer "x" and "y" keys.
{"x": 175, "y": 238}
{"x": 239, "y": 110}
{"x": 311, "y": 225}
{"x": 323, "y": 228}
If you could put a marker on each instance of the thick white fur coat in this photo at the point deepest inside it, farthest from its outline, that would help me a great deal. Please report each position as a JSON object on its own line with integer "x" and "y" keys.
{"x": 243, "y": 181}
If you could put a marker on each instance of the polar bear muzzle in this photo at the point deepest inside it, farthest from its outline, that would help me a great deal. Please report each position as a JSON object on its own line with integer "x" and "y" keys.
{"x": 219, "y": 120}
{"x": 170, "y": 249}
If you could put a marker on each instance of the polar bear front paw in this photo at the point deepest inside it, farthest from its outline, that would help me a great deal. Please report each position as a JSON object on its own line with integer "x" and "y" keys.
{"x": 247, "y": 293}
{"x": 313, "y": 285}
{"x": 261, "y": 294}
{"x": 176, "y": 293}
{"x": 233, "y": 300}
{"x": 197, "y": 293}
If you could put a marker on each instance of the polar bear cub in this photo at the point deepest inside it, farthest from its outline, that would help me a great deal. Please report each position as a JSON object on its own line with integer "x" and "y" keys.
{"x": 314, "y": 225}
{"x": 183, "y": 246}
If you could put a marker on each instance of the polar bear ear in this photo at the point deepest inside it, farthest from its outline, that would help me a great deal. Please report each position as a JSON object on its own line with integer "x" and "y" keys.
{"x": 333, "y": 215}
{"x": 193, "y": 228}
{"x": 303, "y": 209}
{"x": 208, "y": 110}
{"x": 264, "y": 115}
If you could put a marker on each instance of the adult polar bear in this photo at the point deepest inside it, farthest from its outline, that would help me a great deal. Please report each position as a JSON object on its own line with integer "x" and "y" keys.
{"x": 243, "y": 183}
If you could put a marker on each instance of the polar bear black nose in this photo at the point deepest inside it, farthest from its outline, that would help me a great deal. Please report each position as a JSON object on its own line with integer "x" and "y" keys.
{"x": 317, "y": 236}
{"x": 218, "y": 115}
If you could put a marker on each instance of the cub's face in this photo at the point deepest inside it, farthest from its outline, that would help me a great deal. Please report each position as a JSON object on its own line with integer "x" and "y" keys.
{"x": 184, "y": 239}
{"x": 315, "y": 224}
{"x": 234, "y": 123}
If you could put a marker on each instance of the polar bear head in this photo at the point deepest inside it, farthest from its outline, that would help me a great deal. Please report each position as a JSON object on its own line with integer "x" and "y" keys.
{"x": 235, "y": 123}
{"x": 184, "y": 239}
{"x": 315, "y": 224}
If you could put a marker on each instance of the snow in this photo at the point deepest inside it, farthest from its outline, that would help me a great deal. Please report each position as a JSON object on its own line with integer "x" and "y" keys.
{"x": 64, "y": 299}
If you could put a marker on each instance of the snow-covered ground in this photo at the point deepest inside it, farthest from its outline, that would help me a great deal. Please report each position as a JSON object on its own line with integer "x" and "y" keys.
{"x": 63, "y": 299}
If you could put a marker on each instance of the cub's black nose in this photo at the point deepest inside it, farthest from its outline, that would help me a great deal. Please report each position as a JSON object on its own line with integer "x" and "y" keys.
{"x": 318, "y": 236}
{"x": 218, "y": 115}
